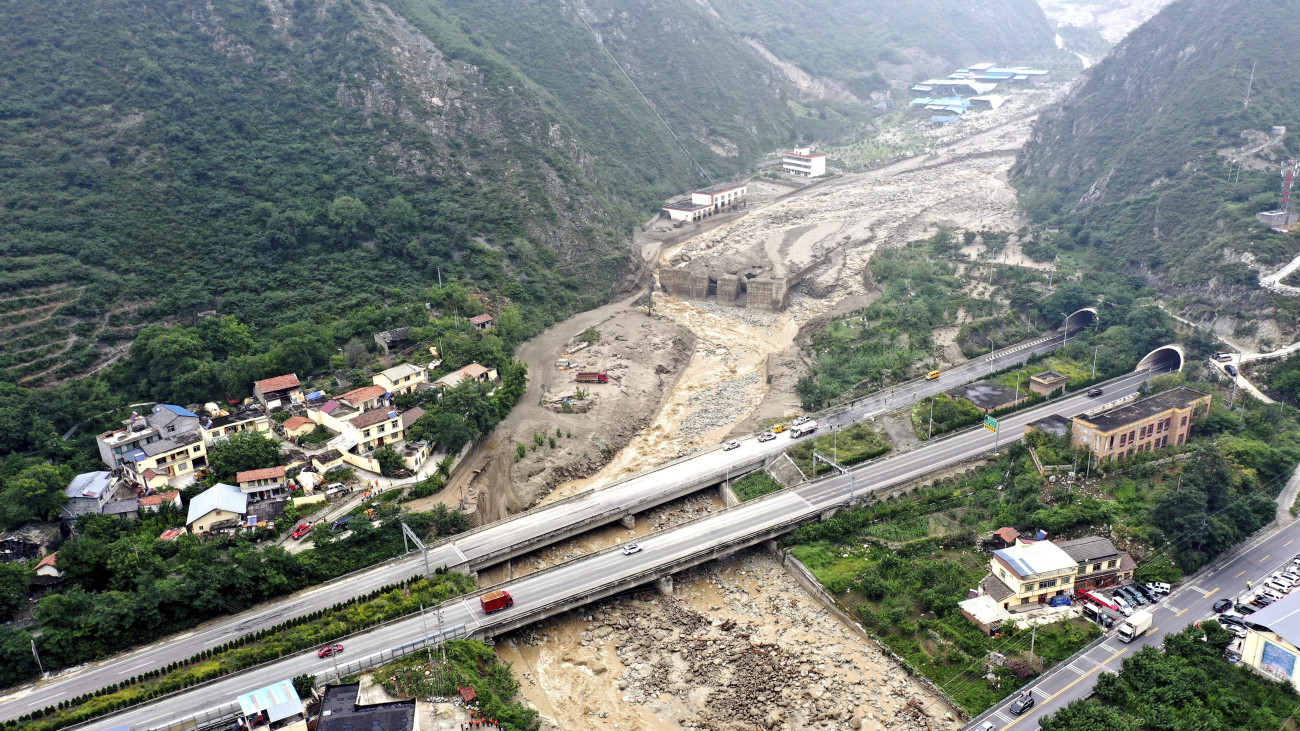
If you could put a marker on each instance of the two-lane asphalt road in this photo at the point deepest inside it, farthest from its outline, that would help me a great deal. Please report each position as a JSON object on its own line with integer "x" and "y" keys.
{"x": 492, "y": 543}
{"x": 578, "y": 580}
{"x": 1189, "y": 603}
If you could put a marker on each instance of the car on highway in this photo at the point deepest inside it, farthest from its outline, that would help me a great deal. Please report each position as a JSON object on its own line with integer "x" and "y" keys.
{"x": 1023, "y": 703}
{"x": 766, "y": 436}
{"x": 932, "y": 375}
{"x": 801, "y": 420}
{"x": 728, "y": 446}
{"x": 1095, "y": 392}
{"x": 630, "y": 549}
{"x": 987, "y": 726}
{"x": 1223, "y": 605}
{"x": 302, "y": 530}
{"x": 329, "y": 650}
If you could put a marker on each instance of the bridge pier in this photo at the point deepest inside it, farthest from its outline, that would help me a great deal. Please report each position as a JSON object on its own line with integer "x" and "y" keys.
{"x": 628, "y": 521}
{"x": 665, "y": 584}
{"x": 728, "y": 495}
{"x": 827, "y": 514}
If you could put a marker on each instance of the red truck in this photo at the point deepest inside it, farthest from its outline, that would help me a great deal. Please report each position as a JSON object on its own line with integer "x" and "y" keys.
{"x": 495, "y": 601}
{"x": 593, "y": 377}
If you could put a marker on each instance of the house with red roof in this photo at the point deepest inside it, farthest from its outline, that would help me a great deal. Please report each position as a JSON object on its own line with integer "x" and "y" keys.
{"x": 48, "y": 566}
{"x": 278, "y": 391}
{"x": 263, "y": 484}
{"x": 298, "y": 426}
{"x": 153, "y": 503}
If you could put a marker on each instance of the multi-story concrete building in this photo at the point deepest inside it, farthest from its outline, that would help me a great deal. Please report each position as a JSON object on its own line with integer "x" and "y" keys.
{"x": 88, "y": 493}
{"x": 1029, "y": 573}
{"x": 164, "y": 421}
{"x": 1151, "y": 423}
{"x": 219, "y": 428}
{"x": 278, "y": 391}
{"x": 802, "y": 163}
{"x": 707, "y": 201}
{"x": 263, "y": 484}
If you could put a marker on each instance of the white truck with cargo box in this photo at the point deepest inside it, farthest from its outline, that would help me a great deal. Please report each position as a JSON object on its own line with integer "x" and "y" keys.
{"x": 1134, "y": 626}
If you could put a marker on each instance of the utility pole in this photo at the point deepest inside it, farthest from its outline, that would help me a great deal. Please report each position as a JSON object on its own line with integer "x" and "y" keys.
{"x": 1033, "y": 635}
{"x": 439, "y": 277}
{"x": 1065, "y": 328}
{"x": 1248, "y": 87}
{"x": 37, "y": 655}
{"x": 425, "y": 627}
{"x": 930, "y": 432}
{"x": 1094, "y": 361}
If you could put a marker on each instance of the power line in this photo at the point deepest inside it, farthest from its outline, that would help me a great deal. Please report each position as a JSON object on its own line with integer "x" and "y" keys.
{"x": 662, "y": 121}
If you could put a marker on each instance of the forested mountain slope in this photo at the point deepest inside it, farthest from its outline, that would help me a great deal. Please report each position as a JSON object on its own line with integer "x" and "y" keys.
{"x": 864, "y": 43}
{"x": 293, "y": 160}
{"x": 1140, "y": 164}
{"x": 286, "y": 161}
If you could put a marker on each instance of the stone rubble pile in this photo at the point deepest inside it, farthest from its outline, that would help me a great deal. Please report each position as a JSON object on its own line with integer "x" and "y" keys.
{"x": 765, "y": 657}
{"x": 719, "y": 405}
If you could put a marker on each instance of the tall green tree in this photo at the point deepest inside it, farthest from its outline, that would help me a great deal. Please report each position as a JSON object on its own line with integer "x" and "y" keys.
{"x": 248, "y": 450}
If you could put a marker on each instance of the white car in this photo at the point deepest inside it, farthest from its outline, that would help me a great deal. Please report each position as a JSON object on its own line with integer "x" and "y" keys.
{"x": 801, "y": 420}
{"x": 1123, "y": 603}
{"x": 766, "y": 436}
{"x": 728, "y": 446}
{"x": 630, "y": 549}
{"x": 987, "y": 726}
{"x": 1159, "y": 586}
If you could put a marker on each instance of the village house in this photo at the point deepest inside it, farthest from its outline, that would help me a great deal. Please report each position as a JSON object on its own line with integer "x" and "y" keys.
{"x": 48, "y": 569}
{"x": 164, "y": 421}
{"x": 366, "y": 397}
{"x": 88, "y": 492}
{"x": 218, "y": 428}
{"x": 401, "y": 378}
{"x": 277, "y": 707}
{"x": 706, "y": 202}
{"x": 263, "y": 484}
{"x": 391, "y": 341}
{"x": 328, "y": 460}
{"x": 128, "y": 509}
{"x": 153, "y": 503}
{"x": 278, "y": 391}
{"x": 1100, "y": 563}
{"x": 297, "y": 426}
{"x": 173, "y": 457}
{"x": 1144, "y": 425}
{"x": 341, "y": 710}
{"x": 471, "y": 372}
{"x": 1029, "y": 573}
{"x": 220, "y": 507}
{"x": 482, "y": 323}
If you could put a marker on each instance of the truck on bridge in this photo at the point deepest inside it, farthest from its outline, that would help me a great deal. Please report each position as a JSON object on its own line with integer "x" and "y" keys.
{"x": 495, "y": 601}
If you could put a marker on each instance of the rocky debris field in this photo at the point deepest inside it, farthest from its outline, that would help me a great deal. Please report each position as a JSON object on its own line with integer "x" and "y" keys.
{"x": 738, "y": 646}
{"x": 719, "y": 405}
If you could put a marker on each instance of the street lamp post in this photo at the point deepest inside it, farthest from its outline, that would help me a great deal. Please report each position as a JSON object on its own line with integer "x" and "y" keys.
{"x": 1094, "y": 361}
{"x": 1065, "y": 328}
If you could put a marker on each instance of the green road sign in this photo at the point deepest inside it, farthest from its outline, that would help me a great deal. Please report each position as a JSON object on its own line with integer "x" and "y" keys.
{"x": 990, "y": 423}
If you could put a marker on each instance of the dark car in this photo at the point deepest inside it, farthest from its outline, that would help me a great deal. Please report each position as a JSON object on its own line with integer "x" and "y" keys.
{"x": 342, "y": 523}
{"x": 1095, "y": 392}
{"x": 1023, "y": 703}
{"x": 1151, "y": 596}
{"x": 1245, "y": 609}
{"x": 1261, "y": 601}
{"x": 1223, "y": 605}
{"x": 1231, "y": 369}
{"x": 1231, "y": 619}
{"x": 1134, "y": 596}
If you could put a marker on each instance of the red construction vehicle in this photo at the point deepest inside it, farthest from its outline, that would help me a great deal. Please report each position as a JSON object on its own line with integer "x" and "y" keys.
{"x": 593, "y": 377}
{"x": 495, "y": 601}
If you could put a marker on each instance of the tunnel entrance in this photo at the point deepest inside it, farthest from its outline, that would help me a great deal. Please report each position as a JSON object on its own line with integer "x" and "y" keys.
{"x": 1168, "y": 358}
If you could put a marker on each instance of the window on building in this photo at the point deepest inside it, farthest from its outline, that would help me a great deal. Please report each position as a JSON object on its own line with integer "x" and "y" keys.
{"x": 1065, "y": 580}
{"x": 1002, "y": 573}
{"x": 1047, "y": 584}
{"x": 366, "y": 433}
{"x": 1180, "y": 439}
{"x": 1112, "y": 564}
{"x": 1083, "y": 570}
{"x": 1183, "y": 422}
{"x": 1026, "y": 588}
{"x": 196, "y": 450}
{"x": 1096, "y": 567}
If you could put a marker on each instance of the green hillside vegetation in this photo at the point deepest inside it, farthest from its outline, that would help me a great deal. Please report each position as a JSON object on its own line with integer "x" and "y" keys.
{"x": 292, "y": 164}
{"x": 901, "y": 565}
{"x": 1128, "y": 166}
{"x": 1184, "y": 683}
{"x": 850, "y": 41}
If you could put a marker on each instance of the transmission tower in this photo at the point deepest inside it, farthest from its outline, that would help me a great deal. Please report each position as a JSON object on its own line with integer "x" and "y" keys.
{"x": 1290, "y": 169}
